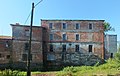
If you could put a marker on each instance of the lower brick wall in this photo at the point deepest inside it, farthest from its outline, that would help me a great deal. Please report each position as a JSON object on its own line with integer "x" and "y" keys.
{"x": 76, "y": 59}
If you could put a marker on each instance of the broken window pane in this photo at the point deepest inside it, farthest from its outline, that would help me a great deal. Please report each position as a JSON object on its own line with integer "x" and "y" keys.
{"x": 76, "y": 48}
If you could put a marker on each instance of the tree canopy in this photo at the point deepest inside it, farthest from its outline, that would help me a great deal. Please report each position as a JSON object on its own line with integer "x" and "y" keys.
{"x": 107, "y": 27}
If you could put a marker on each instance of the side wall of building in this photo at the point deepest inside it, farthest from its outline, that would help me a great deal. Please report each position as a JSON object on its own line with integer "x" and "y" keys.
{"x": 110, "y": 45}
{"x": 20, "y": 45}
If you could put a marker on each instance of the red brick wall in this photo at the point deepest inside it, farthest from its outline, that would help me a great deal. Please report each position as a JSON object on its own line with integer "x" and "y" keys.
{"x": 5, "y": 49}
{"x": 20, "y": 39}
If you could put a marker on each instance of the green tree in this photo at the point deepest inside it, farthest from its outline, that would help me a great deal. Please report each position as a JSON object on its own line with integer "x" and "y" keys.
{"x": 107, "y": 27}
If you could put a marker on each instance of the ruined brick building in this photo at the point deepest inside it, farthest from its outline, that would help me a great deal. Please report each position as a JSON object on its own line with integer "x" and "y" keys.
{"x": 72, "y": 42}
{"x": 57, "y": 43}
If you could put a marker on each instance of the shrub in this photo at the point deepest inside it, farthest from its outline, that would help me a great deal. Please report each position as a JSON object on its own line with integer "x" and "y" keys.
{"x": 111, "y": 63}
{"x": 117, "y": 56}
{"x": 8, "y": 72}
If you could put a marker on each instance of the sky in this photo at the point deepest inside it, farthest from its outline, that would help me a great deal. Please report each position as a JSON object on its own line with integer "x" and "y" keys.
{"x": 17, "y": 11}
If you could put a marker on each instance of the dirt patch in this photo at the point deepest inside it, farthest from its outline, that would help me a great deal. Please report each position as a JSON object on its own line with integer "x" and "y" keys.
{"x": 51, "y": 74}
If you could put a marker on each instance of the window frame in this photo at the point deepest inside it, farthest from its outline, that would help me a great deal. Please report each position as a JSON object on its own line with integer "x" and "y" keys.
{"x": 90, "y": 26}
{"x": 77, "y": 25}
{"x": 77, "y": 37}
{"x": 50, "y": 25}
{"x": 64, "y": 36}
{"x": 64, "y": 25}
{"x": 27, "y": 33}
{"x": 51, "y": 35}
{"x": 7, "y": 44}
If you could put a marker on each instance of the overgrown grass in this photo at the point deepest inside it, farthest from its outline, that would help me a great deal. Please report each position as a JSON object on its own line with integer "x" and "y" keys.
{"x": 9, "y": 72}
{"x": 111, "y": 67}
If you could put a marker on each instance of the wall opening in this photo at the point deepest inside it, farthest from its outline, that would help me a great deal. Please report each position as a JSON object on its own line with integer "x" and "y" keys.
{"x": 90, "y": 26}
{"x": 90, "y": 48}
{"x": 64, "y": 48}
{"x": 51, "y": 48}
{"x": 111, "y": 55}
{"x": 77, "y": 48}
{"x": 0, "y": 55}
{"x": 26, "y": 46}
{"x": 8, "y": 57}
{"x": 63, "y": 51}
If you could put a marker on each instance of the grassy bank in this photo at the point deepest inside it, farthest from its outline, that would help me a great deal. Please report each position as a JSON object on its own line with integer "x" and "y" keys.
{"x": 110, "y": 68}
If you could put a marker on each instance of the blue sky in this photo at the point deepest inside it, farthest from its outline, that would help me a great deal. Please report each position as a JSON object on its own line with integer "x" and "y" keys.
{"x": 17, "y": 11}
